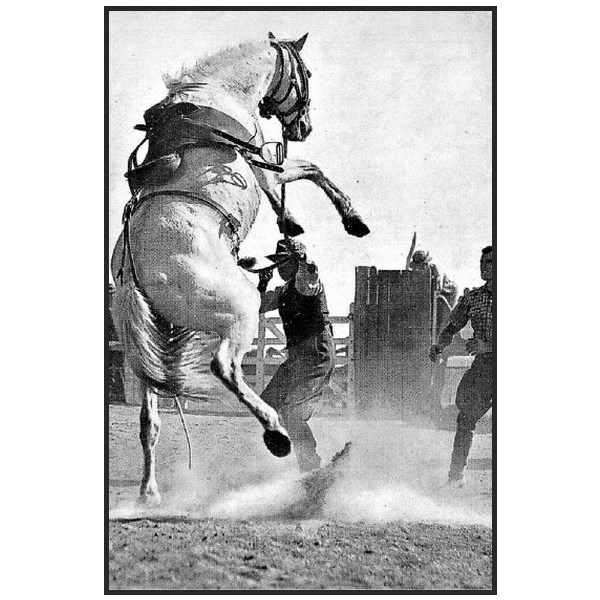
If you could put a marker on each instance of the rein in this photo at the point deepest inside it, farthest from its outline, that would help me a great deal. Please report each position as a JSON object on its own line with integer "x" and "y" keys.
{"x": 246, "y": 148}
{"x": 285, "y": 147}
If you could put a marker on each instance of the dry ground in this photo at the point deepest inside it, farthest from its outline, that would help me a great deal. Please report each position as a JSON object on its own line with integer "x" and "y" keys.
{"x": 388, "y": 524}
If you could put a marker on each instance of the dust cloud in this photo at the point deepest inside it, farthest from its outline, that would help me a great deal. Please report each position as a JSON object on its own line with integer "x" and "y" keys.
{"x": 392, "y": 473}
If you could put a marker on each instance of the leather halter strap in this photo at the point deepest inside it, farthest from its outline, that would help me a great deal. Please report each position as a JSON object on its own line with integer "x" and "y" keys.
{"x": 276, "y": 99}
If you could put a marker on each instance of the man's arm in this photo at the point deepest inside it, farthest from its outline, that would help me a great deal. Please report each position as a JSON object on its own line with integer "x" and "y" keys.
{"x": 459, "y": 317}
{"x": 307, "y": 280}
{"x": 478, "y": 346}
{"x": 447, "y": 335}
{"x": 269, "y": 300}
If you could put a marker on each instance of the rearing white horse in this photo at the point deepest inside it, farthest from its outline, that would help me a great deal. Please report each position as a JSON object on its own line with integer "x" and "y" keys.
{"x": 195, "y": 198}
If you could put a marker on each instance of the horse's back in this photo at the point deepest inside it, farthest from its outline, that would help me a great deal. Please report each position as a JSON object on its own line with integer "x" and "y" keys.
{"x": 223, "y": 177}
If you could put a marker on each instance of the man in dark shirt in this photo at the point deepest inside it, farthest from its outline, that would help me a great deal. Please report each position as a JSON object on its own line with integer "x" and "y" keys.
{"x": 474, "y": 394}
{"x": 299, "y": 382}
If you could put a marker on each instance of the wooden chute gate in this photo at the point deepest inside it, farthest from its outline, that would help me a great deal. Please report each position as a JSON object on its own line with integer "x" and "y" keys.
{"x": 397, "y": 315}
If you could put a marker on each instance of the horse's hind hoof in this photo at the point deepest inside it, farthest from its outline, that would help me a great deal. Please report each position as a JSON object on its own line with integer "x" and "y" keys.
{"x": 354, "y": 225}
{"x": 277, "y": 443}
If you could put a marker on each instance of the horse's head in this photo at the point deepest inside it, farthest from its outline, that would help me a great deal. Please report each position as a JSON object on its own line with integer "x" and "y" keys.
{"x": 287, "y": 97}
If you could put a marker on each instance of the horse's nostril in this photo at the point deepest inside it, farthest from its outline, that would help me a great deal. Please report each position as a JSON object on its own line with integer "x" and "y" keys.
{"x": 303, "y": 129}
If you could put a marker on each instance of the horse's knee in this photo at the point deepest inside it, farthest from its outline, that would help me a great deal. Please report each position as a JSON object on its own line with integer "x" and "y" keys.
{"x": 217, "y": 367}
{"x": 237, "y": 373}
{"x": 222, "y": 368}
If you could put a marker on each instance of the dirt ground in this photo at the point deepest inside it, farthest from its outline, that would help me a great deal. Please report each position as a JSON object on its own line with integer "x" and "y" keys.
{"x": 387, "y": 523}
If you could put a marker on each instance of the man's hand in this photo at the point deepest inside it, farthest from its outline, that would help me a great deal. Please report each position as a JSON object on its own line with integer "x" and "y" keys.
{"x": 263, "y": 280}
{"x": 434, "y": 352}
{"x": 477, "y": 346}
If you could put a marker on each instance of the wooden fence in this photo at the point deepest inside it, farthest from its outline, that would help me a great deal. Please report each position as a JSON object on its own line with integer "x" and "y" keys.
{"x": 381, "y": 364}
{"x": 268, "y": 353}
{"x": 259, "y": 366}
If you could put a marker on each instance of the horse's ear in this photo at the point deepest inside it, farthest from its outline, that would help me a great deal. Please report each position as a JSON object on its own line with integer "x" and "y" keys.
{"x": 271, "y": 36}
{"x": 300, "y": 43}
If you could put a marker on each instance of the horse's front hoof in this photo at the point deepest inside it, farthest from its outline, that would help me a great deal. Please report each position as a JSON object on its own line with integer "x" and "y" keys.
{"x": 289, "y": 226}
{"x": 354, "y": 225}
{"x": 277, "y": 443}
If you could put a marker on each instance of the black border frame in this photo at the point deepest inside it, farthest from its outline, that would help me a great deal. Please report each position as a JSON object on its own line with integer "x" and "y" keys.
{"x": 493, "y": 10}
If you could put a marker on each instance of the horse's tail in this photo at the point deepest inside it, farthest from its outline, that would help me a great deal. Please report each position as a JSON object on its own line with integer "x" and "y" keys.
{"x": 159, "y": 352}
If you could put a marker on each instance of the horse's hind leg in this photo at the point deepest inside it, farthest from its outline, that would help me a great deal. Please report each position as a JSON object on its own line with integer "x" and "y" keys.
{"x": 227, "y": 366}
{"x": 149, "y": 433}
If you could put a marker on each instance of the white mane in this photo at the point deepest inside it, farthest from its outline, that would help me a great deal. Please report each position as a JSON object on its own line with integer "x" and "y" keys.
{"x": 236, "y": 69}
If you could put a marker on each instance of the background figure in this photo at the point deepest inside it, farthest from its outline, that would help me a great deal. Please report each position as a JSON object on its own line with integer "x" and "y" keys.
{"x": 446, "y": 292}
{"x": 420, "y": 261}
{"x": 298, "y": 384}
{"x": 438, "y": 371}
{"x": 474, "y": 394}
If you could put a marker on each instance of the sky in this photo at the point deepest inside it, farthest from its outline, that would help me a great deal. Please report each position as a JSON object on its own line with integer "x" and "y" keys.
{"x": 401, "y": 107}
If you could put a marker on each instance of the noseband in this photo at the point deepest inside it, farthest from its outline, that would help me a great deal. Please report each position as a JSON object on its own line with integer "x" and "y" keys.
{"x": 282, "y": 88}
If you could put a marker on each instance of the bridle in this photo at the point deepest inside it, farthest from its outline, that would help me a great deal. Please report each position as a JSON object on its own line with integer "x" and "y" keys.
{"x": 287, "y": 97}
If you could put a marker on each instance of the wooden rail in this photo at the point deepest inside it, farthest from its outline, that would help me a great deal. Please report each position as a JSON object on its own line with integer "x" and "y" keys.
{"x": 259, "y": 366}
{"x": 268, "y": 352}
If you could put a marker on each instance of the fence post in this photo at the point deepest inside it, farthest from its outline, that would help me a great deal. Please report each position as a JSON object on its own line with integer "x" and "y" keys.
{"x": 350, "y": 354}
{"x": 434, "y": 315}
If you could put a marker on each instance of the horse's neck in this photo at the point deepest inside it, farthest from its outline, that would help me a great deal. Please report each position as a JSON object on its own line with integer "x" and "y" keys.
{"x": 237, "y": 88}
{"x": 226, "y": 103}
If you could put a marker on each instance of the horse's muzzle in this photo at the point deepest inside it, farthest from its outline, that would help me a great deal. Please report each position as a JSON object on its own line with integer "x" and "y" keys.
{"x": 298, "y": 131}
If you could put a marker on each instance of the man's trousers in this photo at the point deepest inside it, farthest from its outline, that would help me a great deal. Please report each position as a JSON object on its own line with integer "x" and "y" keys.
{"x": 296, "y": 389}
{"x": 473, "y": 400}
